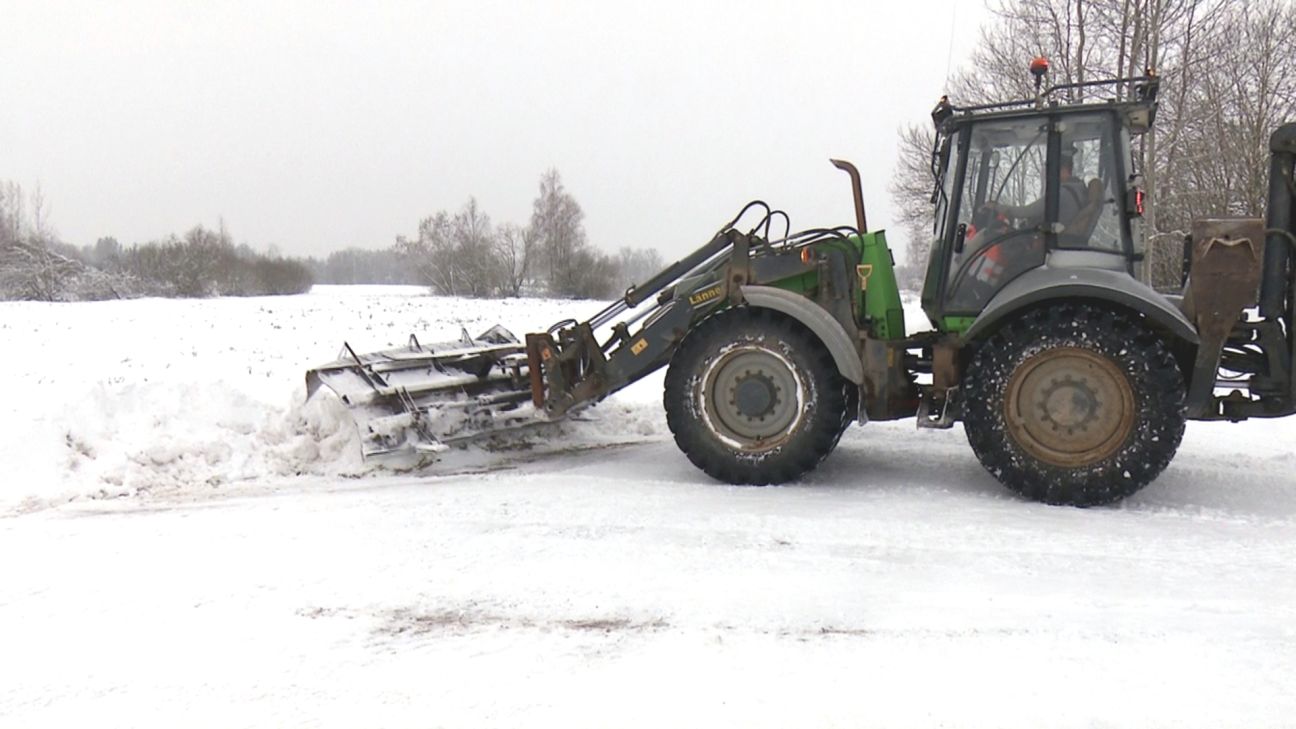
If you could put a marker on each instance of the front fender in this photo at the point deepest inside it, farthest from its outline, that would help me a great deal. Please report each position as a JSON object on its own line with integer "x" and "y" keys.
{"x": 844, "y": 352}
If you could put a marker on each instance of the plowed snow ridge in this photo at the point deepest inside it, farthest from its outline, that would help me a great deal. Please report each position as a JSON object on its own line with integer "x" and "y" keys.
{"x": 118, "y": 398}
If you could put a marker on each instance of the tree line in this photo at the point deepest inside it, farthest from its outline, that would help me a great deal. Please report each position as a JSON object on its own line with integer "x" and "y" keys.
{"x": 1228, "y": 80}
{"x": 464, "y": 254}
{"x": 457, "y": 254}
{"x": 36, "y": 266}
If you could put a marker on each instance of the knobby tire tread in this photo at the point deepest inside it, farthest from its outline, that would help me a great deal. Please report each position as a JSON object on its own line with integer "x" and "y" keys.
{"x": 816, "y": 437}
{"x": 1155, "y": 379}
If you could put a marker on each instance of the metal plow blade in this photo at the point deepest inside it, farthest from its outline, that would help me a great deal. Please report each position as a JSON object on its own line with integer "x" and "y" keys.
{"x": 424, "y": 397}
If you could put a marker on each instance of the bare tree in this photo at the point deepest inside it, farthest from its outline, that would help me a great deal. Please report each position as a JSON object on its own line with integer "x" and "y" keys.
{"x": 432, "y": 253}
{"x": 515, "y": 254}
{"x": 13, "y": 206}
{"x": 107, "y": 253}
{"x": 42, "y": 232}
{"x": 558, "y": 223}
{"x": 592, "y": 274}
{"x": 637, "y": 265}
{"x": 456, "y": 255}
{"x": 474, "y": 246}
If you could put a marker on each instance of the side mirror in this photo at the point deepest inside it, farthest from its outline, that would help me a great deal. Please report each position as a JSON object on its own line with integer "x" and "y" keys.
{"x": 1134, "y": 200}
{"x": 960, "y": 233}
{"x": 1135, "y": 196}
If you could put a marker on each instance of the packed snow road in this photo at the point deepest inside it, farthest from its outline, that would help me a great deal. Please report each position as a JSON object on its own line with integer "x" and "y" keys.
{"x": 196, "y": 548}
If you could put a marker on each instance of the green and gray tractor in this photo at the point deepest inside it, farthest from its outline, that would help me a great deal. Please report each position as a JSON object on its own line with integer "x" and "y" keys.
{"x": 1072, "y": 378}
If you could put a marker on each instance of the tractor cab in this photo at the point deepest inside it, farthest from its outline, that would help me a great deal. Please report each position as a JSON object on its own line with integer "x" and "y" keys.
{"x": 1027, "y": 185}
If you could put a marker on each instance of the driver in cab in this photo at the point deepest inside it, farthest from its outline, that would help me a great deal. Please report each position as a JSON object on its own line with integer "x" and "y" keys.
{"x": 1072, "y": 197}
{"x": 1011, "y": 254}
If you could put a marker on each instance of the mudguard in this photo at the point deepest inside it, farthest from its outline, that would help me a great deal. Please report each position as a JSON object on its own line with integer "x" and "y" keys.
{"x": 1080, "y": 283}
{"x": 844, "y": 351}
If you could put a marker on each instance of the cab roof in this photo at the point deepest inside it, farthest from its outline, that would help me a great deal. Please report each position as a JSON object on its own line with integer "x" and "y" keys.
{"x": 1137, "y": 113}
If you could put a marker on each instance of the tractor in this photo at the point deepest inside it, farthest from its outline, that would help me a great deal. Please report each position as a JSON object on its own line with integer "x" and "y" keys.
{"x": 1072, "y": 378}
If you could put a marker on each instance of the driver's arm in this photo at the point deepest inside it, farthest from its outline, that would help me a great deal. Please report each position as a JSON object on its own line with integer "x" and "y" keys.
{"x": 1033, "y": 211}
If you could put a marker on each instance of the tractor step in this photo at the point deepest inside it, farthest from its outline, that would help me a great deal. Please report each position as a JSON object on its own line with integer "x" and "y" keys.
{"x": 941, "y": 414}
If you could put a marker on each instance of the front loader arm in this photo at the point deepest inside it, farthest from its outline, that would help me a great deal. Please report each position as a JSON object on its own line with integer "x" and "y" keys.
{"x": 570, "y": 368}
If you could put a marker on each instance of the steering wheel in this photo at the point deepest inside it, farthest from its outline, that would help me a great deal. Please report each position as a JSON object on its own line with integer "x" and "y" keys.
{"x": 988, "y": 216}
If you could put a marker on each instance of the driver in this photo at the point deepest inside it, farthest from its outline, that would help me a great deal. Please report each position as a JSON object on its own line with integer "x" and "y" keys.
{"x": 1072, "y": 197}
{"x": 1012, "y": 254}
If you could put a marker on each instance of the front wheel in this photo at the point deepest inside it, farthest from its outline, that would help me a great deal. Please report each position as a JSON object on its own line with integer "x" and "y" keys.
{"x": 1074, "y": 404}
{"x": 753, "y": 397}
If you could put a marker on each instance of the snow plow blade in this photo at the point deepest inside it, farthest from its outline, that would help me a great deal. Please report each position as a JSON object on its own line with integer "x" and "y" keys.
{"x": 425, "y": 397}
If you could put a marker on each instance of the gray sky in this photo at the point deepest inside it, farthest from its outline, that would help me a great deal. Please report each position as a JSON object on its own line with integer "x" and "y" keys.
{"x": 318, "y": 125}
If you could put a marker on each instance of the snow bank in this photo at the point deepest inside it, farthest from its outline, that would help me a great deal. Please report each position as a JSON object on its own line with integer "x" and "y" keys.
{"x": 122, "y": 397}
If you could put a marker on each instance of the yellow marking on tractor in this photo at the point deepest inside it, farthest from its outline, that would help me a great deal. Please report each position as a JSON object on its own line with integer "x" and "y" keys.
{"x": 702, "y": 297}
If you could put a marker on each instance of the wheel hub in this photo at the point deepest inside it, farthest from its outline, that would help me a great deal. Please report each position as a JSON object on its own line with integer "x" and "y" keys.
{"x": 751, "y": 396}
{"x": 1069, "y": 407}
{"x": 755, "y": 395}
{"x": 1070, "y": 403}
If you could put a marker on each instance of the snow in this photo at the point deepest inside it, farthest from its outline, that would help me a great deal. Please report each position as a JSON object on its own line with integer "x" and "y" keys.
{"x": 114, "y": 398}
{"x": 187, "y": 543}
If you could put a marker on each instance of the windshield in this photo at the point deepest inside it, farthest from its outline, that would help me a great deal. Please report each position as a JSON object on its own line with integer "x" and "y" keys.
{"x": 1006, "y": 168}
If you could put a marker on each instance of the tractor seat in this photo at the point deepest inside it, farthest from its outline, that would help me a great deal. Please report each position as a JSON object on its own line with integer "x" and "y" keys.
{"x": 1077, "y": 232}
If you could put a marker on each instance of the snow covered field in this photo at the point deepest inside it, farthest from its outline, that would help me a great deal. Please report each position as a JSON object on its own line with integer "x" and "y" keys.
{"x": 187, "y": 544}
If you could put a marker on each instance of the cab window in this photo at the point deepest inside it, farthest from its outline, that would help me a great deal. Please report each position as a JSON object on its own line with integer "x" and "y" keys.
{"x": 1088, "y": 190}
{"x": 1002, "y": 207}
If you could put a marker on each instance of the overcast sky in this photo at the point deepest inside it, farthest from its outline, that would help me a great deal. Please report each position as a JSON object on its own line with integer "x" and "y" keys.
{"x": 318, "y": 125}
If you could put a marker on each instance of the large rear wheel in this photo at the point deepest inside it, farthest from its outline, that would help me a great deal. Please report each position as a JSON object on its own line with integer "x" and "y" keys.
{"x": 753, "y": 397}
{"x": 1074, "y": 404}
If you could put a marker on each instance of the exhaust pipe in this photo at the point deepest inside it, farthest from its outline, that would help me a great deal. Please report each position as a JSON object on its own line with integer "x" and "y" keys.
{"x": 861, "y": 223}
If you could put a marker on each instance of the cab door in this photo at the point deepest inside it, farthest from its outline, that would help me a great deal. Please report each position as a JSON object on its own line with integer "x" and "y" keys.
{"x": 999, "y": 215}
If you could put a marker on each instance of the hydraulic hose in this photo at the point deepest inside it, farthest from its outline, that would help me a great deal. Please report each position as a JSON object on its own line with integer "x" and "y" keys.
{"x": 638, "y": 294}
